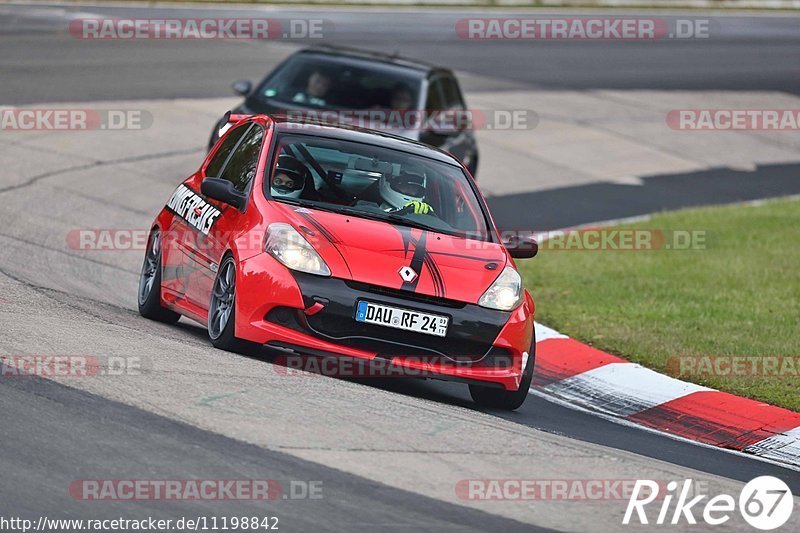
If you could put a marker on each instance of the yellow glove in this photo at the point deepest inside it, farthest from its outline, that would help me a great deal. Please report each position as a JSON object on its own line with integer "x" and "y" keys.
{"x": 418, "y": 208}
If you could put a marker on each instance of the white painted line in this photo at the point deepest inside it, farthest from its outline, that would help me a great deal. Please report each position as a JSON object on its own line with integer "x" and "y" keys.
{"x": 543, "y": 333}
{"x": 782, "y": 447}
{"x": 621, "y": 389}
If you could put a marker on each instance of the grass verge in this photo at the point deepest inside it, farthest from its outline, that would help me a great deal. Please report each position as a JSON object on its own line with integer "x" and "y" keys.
{"x": 731, "y": 303}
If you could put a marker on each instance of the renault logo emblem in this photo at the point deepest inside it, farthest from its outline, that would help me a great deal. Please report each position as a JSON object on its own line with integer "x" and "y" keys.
{"x": 408, "y": 274}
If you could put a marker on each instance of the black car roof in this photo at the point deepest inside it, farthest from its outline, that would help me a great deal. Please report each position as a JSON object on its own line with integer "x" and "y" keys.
{"x": 288, "y": 125}
{"x": 379, "y": 57}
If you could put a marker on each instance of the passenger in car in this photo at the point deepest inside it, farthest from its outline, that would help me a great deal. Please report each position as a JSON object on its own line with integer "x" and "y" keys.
{"x": 402, "y": 99}
{"x": 317, "y": 87}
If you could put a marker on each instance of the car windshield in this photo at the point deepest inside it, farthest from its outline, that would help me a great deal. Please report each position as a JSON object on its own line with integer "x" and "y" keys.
{"x": 375, "y": 182}
{"x": 335, "y": 83}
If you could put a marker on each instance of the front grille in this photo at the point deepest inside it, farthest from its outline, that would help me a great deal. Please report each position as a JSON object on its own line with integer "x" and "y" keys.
{"x": 469, "y": 339}
{"x": 389, "y": 342}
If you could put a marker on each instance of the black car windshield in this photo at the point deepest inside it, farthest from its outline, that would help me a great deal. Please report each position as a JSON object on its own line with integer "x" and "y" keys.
{"x": 312, "y": 81}
{"x": 375, "y": 182}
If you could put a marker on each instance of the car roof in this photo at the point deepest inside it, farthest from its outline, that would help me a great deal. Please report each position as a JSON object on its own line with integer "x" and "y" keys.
{"x": 378, "y": 57}
{"x": 287, "y": 125}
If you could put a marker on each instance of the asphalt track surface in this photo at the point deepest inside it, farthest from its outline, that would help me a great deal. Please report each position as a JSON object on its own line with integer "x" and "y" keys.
{"x": 160, "y": 445}
{"x": 53, "y": 434}
{"x": 42, "y": 62}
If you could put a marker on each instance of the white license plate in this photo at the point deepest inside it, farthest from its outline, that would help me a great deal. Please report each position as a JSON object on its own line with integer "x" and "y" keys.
{"x": 393, "y": 317}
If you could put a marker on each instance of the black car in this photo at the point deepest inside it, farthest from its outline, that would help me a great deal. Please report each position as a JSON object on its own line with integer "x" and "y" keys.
{"x": 336, "y": 81}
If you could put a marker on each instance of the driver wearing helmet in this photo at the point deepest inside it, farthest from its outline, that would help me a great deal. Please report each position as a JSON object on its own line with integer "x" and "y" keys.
{"x": 404, "y": 193}
{"x": 290, "y": 177}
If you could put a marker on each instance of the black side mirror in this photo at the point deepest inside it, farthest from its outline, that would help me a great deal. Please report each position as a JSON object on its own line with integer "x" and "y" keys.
{"x": 224, "y": 191}
{"x": 242, "y": 87}
{"x": 521, "y": 247}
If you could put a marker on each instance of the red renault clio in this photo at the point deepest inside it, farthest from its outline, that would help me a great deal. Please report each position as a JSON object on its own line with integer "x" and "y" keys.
{"x": 319, "y": 240}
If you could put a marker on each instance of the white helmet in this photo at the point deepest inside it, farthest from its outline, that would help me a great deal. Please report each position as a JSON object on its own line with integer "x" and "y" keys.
{"x": 293, "y": 176}
{"x": 398, "y": 191}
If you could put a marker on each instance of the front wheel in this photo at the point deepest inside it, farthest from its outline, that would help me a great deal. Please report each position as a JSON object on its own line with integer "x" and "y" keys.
{"x": 506, "y": 399}
{"x": 222, "y": 310}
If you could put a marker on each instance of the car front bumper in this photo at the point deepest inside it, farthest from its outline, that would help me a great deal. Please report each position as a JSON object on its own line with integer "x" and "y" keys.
{"x": 314, "y": 316}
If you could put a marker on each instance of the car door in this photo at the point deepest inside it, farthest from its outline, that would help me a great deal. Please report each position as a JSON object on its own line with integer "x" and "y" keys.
{"x": 463, "y": 144}
{"x": 240, "y": 169}
{"x": 443, "y": 96}
{"x": 181, "y": 238}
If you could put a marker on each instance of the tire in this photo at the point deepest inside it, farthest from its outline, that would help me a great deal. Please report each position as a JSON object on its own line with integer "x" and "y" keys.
{"x": 504, "y": 399}
{"x": 222, "y": 310}
{"x": 149, "y": 298}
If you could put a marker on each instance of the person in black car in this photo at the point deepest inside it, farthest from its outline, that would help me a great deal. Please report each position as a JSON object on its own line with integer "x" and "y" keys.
{"x": 317, "y": 87}
{"x": 328, "y": 78}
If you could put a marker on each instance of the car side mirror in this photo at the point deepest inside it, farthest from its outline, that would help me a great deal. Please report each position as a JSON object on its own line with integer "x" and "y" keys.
{"x": 224, "y": 191}
{"x": 242, "y": 87}
{"x": 521, "y": 247}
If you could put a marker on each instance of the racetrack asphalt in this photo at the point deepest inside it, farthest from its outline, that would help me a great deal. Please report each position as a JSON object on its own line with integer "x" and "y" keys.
{"x": 135, "y": 441}
{"x": 42, "y": 62}
{"x": 395, "y": 448}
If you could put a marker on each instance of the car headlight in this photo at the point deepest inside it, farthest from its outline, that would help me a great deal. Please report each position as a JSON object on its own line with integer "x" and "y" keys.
{"x": 505, "y": 293}
{"x": 285, "y": 244}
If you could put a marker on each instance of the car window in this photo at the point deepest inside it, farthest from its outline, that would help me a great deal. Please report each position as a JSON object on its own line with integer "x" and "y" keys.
{"x": 241, "y": 168}
{"x": 452, "y": 96}
{"x": 377, "y": 182}
{"x": 435, "y": 100}
{"x": 311, "y": 81}
{"x": 214, "y": 167}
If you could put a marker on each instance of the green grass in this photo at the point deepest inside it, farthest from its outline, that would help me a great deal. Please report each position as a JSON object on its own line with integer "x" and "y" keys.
{"x": 738, "y": 296}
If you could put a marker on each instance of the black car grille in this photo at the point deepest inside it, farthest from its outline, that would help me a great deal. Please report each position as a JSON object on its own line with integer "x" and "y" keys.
{"x": 470, "y": 335}
{"x": 390, "y": 343}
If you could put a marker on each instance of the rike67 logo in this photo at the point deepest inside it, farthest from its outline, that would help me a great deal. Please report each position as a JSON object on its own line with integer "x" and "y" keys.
{"x": 765, "y": 503}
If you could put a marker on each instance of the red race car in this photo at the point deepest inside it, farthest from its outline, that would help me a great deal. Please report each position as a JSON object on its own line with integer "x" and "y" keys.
{"x": 321, "y": 241}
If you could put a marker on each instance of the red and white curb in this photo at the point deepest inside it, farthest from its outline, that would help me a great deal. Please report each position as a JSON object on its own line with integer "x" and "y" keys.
{"x": 578, "y": 375}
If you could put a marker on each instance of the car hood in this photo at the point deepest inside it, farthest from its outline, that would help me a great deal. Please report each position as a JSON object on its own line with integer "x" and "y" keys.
{"x": 375, "y": 252}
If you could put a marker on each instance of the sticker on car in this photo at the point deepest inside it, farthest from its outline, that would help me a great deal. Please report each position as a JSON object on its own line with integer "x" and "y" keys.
{"x": 193, "y": 209}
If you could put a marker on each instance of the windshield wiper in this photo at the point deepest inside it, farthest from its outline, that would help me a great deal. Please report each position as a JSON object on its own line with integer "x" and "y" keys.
{"x": 307, "y": 203}
{"x": 390, "y": 217}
